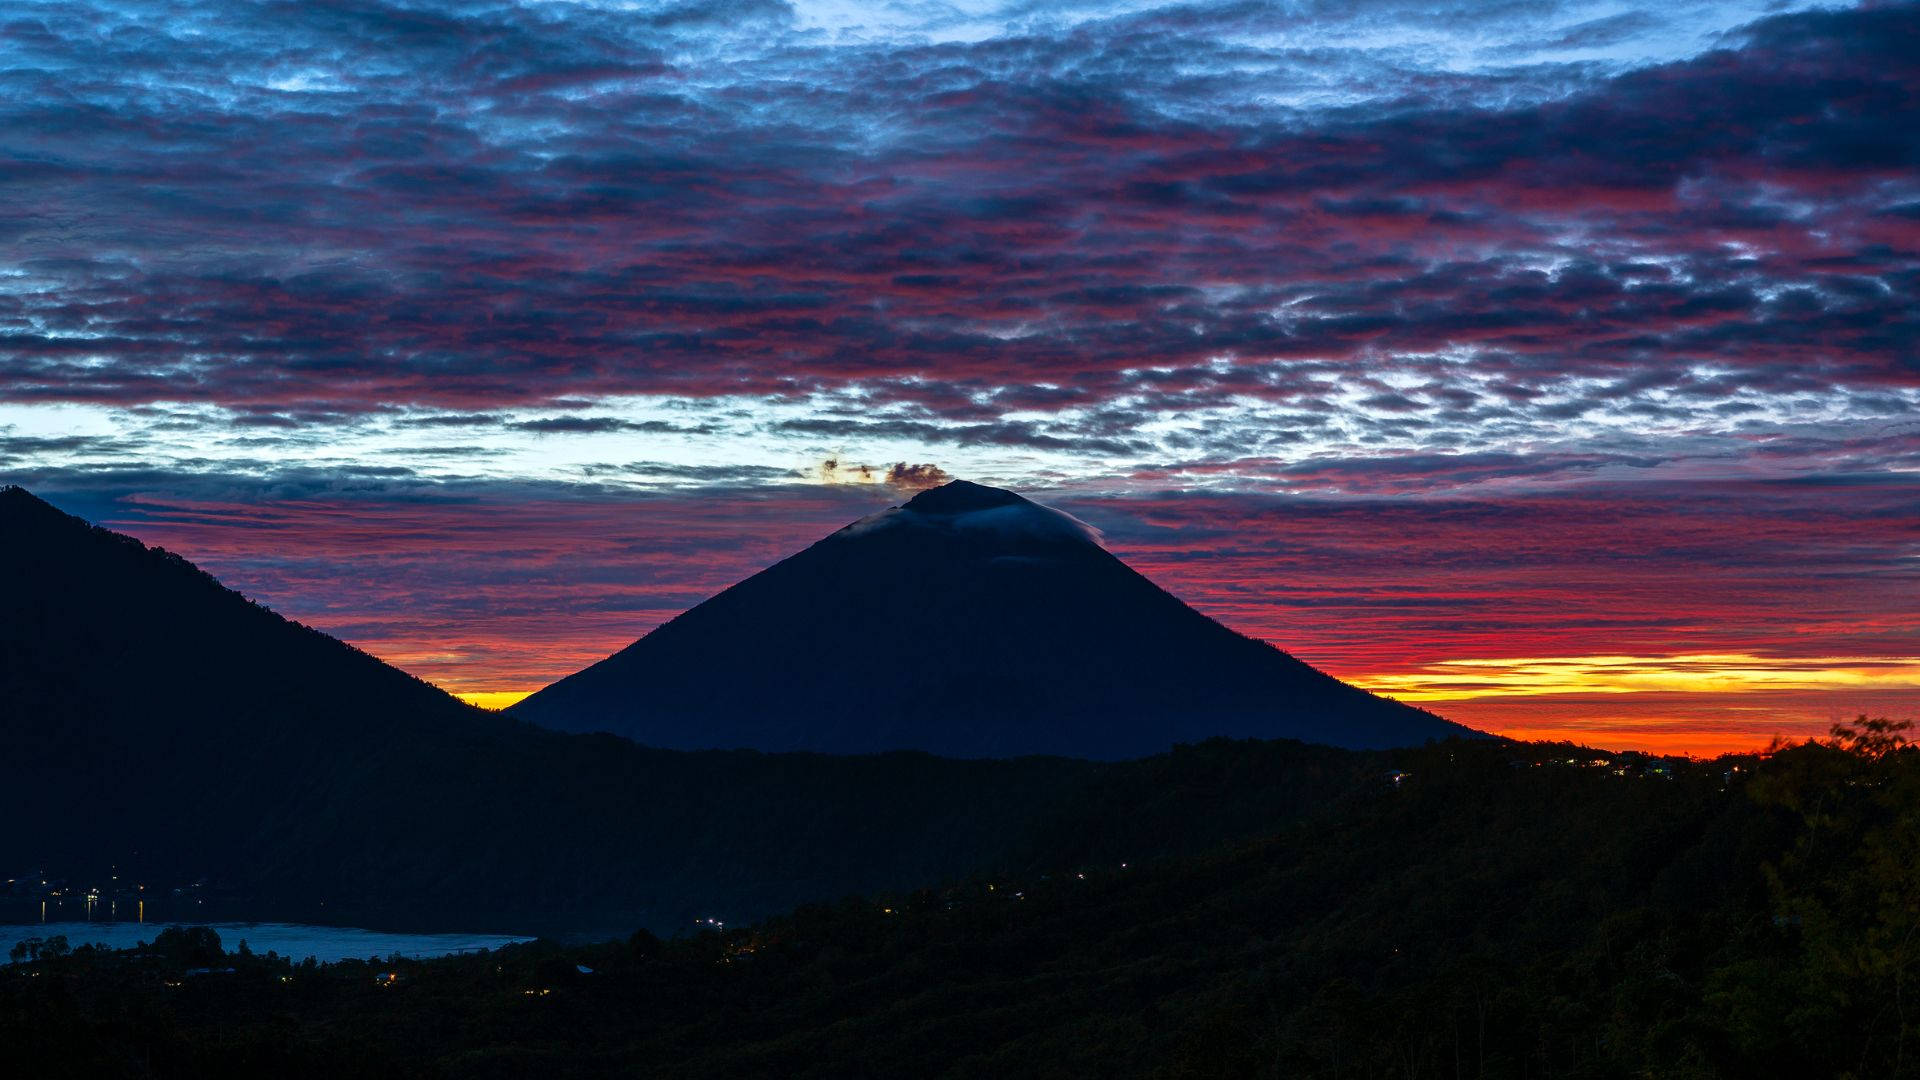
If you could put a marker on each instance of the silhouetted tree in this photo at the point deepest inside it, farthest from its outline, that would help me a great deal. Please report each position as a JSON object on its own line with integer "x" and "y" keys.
{"x": 1874, "y": 738}
{"x": 189, "y": 946}
{"x": 1847, "y": 902}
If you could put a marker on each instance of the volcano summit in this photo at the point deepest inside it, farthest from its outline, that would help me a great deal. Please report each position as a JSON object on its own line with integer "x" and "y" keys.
{"x": 968, "y": 622}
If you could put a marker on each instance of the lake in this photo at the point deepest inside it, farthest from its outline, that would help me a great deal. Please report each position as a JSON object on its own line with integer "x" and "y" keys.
{"x": 296, "y": 940}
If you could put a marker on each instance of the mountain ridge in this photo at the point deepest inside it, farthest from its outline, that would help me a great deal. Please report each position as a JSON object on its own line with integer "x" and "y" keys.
{"x": 968, "y": 622}
{"x": 166, "y": 730}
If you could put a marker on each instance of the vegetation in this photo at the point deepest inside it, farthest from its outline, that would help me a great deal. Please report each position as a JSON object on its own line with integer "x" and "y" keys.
{"x": 1472, "y": 909}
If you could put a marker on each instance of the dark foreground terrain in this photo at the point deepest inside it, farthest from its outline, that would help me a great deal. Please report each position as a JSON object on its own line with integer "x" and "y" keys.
{"x": 1484, "y": 910}
{"x": 169, "y": 732}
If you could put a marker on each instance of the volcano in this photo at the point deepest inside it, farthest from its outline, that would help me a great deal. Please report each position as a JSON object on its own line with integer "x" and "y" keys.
{"x": 968, "y": 622}
{"x": 164, "y": 729}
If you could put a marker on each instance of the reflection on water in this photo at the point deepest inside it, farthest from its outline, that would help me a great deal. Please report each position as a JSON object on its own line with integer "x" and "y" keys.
{"x": 75, "y": 906}
{"x": 296, "y": 940}
{"x": 88, "y": 918}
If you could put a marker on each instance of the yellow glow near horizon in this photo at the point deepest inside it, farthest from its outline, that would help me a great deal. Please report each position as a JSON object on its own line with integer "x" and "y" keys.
{"x": 1719, "y": 673}
{"x": 493, "y": 699}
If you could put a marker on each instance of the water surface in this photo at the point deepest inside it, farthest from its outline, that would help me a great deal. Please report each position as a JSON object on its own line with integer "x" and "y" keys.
{"x": 296, "y": 940}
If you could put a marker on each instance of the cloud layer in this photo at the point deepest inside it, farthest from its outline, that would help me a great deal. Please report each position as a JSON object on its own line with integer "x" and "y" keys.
{"x": 1632, "y": 289}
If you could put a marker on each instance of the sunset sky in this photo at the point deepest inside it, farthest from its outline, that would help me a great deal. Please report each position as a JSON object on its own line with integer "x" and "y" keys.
{"x": 1553, "y": 365}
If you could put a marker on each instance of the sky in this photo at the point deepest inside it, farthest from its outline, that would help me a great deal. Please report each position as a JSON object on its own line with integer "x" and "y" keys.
{"x": 1553, "y": 365}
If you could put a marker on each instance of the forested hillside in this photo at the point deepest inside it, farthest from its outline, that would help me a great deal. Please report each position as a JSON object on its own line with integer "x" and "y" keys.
{"x": 1493, "y": 911}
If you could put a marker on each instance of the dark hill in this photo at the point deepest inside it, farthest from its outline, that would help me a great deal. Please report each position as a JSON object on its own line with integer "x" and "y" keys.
{"x": 163, "y": 728}
{"x": 1481, "y": 918}
{"x": 968, "y": 622}
{"x": 147, "y": 707}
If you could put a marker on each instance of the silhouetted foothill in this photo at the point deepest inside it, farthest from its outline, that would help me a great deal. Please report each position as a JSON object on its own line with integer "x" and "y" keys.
{"x": 165, "y": 730}
{"x": 969, "y": 622}
{"x": 18, "y": 506}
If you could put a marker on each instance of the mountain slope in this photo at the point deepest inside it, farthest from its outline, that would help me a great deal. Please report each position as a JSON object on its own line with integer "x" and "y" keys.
{"x": 164, "y": 729}
{"x": 969, "y": 622}
{"x": 161, "y": 712}
{"x": 160, "y": 723}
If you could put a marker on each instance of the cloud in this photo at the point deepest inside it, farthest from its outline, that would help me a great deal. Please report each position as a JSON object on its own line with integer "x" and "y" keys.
{"x": 835, "y": 471}
{"x": 916, "y": 477}
{"x": 597, "y": 425}
{"x": 536, "y": 205}
{"x": 1489, "y": 276}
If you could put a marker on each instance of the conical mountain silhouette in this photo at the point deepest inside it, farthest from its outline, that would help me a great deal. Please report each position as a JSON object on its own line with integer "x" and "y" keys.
{"x": 161, "y": 728}
{"x": 969, "y": 622}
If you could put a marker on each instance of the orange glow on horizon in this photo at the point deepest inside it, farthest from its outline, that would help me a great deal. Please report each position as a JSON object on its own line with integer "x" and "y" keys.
{"x": 1720, "y": 673}
{"x": 493, "y": 699}
{"x": 1700, "y": 704}
{"x": 1697, "y": 704}
{"x": 1762, "y": 613}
